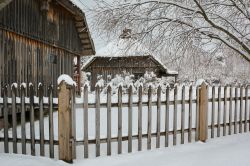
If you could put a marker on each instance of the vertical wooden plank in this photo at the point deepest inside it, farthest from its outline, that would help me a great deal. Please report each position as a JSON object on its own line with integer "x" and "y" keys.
{"x": 120, "y": 119}
{"x": 41, "y": 119}
{"x": 158, "y": 125}
{"x": 190, "y": 114}
{"x": 51, "y": 123}
{"x": 230, "y": 111}
{"x": 246, "y": 108}
{"x": 197, "y": 113}
{"x": 130, "y": 102}
{"x": 213, "y": 112}
{"x": 23, "y": 120}
{"x": 149, "y": 117}
{"x": 241, "y": 108}
{"x": 236, "y": 110}
{"x": 225, "y": 111}
{"x": 203, "y": 113}
{"x": 182, "y": 115}
{"x": 6, "y": 121}
{"x": 175, "y": 115}
{"x": 85, "y": 122}
{"x": 167, "y": 119}
{"x": 109, "y": 121}
{"x": 32, "y": 127}
{"x": 219, "y": 111}
{"x": 14, "y": 119}
{"x": 140, "y": 118}
{"x": 64, "y": 122}
{"x": 97, "y": 119}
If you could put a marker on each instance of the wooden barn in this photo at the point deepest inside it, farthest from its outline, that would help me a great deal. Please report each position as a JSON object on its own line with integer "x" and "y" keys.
{"x": 136, "y": 65}
{"x": 42, "y": 39}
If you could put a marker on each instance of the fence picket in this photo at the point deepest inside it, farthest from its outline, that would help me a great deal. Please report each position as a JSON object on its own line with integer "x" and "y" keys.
{"x": 51, "y": 123}
{"x": 6, "y": 121}
{"x": 175, "y": 116}
{"x": 213, "y": 112}
{"x": 14, "y": 118}
{"x": 190, "y": 114}
{"x": 97, "y": 118}
{"x": 246, "y": 108}
{"x": 140, "y": 118}
{"x": 236, "y": 110}
{"x": 130, "y": 105}
{"x": 167, "y": 118}
{"x": 219, "y": 112}
{"x": 149, "y": 117}
{"x": 158, "y": 125}
{"x": 230, "y": 111}
{"x": 197, "y": 113}
{"x": 41, "y": 119}
{"x": 85, "y": 122}
{"x": 241, "y": 108}
{"x": 32, "y": 127}
{"x": 73, "y": 121}
{"x": 183, "y": 115}
{"x": 23, "y": 119}
{"x": 109, "y": 121}
{"x": 225, "y": 111}
{"x": 120, "y": 119}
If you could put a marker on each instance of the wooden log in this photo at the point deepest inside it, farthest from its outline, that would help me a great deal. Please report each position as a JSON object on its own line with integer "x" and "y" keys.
{"x": 41, "y": 119}
{"x": 213, "y": 112}
{"x": 246, "y": 108}
{"x": 32, "y": 119}
{"x": 167, "y": 119}
{"x": 73, "y": 120}
{"x": 51, "y": 123}
{"x": 97, "y": 120}
{"x": 149, "y": 130}
{"x": 158, "y": 125}
{"x": 130, "y": 107}
{"x": 120, "y": 119}
{"x": 109, "y": 121}
{"x": 230, "y": 111}
{"x": 14, "y": 118}
{"x": 6, "y": 121}
{"x": 190, "y": 114}
{"x": 64, "y": 122}
{"x": 85, "y": 122}
{"x": 175, "y": 116}
{"x": 23, "y": 119}
{"x": 219, "y": 112}
{"x": 203, "y": 105}
{"x": 225, "y": 112}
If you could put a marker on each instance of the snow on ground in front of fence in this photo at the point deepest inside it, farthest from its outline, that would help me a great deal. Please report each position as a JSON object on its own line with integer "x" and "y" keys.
{"x": 224, "y": 151}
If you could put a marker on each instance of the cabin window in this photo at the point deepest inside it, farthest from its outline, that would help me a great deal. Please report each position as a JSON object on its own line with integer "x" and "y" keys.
{"x": 138, "y": 75}
{"x": 53, "y": 58}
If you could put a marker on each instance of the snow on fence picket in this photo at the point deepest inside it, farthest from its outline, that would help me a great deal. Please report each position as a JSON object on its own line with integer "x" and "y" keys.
{"x": 141, "y": 120}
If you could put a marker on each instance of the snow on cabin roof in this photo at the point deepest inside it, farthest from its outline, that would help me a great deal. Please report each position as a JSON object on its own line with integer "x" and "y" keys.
{"x": 157, "y": 61}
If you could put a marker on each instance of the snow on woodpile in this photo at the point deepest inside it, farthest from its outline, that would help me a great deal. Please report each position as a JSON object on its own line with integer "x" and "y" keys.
{"x": 68, "y": 80}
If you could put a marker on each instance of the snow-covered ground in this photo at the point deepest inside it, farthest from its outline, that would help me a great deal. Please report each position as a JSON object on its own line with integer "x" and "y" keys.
{"x": 225, "y": 151}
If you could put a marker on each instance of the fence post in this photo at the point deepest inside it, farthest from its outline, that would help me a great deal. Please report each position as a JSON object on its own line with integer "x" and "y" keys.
{"x": 203, "y": 105}
{"x": 65, "y": 122}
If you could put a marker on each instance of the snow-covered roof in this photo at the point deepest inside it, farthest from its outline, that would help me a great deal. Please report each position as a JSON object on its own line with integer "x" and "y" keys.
{"x": 157, "y": 61}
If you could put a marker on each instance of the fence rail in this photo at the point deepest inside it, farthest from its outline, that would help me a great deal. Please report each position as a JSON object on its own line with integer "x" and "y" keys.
{"x": 177, "y": 116}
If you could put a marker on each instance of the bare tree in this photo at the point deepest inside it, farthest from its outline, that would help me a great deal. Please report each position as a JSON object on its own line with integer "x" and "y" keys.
{"x": 177, "y": 25}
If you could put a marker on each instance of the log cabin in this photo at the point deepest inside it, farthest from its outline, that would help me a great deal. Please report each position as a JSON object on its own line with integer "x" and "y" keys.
{"x": 41, "y": 39}
{"x": 136, "y": 65}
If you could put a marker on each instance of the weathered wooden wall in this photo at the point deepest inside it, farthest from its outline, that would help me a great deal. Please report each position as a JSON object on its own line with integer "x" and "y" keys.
{"x": 112, "y": 66}
{"x": 28, "y": 38}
